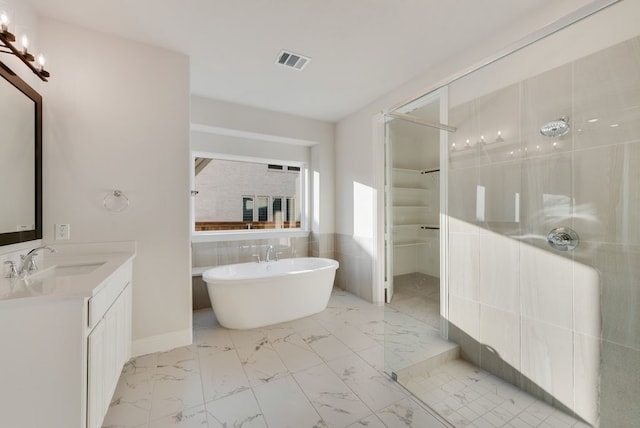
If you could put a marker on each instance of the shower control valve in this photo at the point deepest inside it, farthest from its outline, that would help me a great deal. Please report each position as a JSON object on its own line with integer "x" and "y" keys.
{"x": 563, "y": 239}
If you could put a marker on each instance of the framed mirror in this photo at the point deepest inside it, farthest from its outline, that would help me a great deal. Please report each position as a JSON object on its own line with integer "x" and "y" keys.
{"x": 20, "y": 160}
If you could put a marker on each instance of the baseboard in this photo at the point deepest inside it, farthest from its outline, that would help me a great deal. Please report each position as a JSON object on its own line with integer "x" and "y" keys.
{"x": 161, "y": 342}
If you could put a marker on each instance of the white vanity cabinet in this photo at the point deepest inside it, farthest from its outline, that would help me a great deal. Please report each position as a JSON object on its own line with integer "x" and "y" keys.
{"x": 63, "y": 347}
{"x": 108, "y": 344}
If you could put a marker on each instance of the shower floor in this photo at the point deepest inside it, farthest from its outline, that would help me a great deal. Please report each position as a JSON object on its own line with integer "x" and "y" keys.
{"x": 431, "y": 370}
{"x": 467, "y": 396}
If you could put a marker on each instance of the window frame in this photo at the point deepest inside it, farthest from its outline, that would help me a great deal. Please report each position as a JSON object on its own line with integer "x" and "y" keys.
{"x": 244, "y": 234}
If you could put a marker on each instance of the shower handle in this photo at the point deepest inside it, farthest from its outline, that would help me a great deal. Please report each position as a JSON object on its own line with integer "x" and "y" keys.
{"x": 563, "y": 239}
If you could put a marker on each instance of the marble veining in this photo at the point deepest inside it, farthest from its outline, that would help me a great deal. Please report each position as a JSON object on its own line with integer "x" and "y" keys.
{"x": 322, "y": 371}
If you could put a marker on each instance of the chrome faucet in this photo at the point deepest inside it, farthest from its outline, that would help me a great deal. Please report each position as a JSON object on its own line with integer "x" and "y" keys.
{"x": 270, "y": 250}
{"x": 28, "y": 264}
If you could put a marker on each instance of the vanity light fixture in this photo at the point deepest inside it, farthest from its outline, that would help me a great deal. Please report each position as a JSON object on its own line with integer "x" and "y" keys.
{"x": 7, "y": 39}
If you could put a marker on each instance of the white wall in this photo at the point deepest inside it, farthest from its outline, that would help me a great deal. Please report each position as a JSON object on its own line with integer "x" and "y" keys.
{"x": 116, "y": 116}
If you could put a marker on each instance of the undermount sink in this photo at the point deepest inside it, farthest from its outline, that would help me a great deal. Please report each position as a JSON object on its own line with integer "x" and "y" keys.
{"x": 66, "y": 270}
{"x": 79, "y": 269}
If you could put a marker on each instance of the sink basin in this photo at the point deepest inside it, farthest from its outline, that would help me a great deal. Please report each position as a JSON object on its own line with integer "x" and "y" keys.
{"x": 65, "y": 270}
{"x": 81, "y": 269}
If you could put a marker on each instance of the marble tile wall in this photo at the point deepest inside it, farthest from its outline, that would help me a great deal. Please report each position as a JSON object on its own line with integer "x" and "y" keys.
{"x": 356, "y": 266}
{"x": 206, "y": 254}
{"x": 567, "y": 323}
{"x": 210, "y": 254}
{"x": 322, "y": 245}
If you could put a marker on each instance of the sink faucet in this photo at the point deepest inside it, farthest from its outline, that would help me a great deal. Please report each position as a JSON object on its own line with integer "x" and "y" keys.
{"x": 28, "y": 264}
{"x": 270, "y": 250}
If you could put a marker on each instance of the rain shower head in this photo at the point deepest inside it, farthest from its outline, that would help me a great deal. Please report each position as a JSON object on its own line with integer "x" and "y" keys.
{"x": 556, "y": 128}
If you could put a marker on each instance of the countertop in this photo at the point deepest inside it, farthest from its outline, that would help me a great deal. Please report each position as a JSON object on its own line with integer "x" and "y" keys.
{"x": 68, "y": 273}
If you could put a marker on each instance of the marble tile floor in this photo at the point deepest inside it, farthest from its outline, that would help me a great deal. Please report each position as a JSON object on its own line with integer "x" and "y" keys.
{"x": 473, "y": 398}
{"x": 418, "y": 295}
{"x": 320, "y": 371}
{"x": 463, "y": 394}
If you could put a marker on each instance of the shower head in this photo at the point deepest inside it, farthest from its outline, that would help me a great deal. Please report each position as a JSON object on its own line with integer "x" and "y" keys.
{"x": 556, "y": 128}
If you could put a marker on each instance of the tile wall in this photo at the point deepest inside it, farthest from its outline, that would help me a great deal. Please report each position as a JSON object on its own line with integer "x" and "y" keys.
{"x": 355, "y": 274}
{"x": 210, "y": 254}
{"x": 565, "y": 325}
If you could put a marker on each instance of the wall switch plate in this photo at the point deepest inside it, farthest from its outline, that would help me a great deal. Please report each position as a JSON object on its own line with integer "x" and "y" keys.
{"x": 62, "y": 232}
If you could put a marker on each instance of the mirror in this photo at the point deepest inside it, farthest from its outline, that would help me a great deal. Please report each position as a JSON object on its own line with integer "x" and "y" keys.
{"x": 20, "y": 160}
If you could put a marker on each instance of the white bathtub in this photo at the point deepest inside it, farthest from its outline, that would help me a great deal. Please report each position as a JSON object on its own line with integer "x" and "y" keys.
{"x": 250, "y": 295}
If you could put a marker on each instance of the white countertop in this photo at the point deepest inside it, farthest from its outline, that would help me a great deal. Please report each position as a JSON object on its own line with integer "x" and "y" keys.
{"x": 86, "y": 273}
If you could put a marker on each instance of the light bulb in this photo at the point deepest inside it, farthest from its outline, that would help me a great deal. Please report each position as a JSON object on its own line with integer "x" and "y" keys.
{"x": 41, "y": 62}
{"x": 4, "y": 21}
{"x": 25, "y": 43}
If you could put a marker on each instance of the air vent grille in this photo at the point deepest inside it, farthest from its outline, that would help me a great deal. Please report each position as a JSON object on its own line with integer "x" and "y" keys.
{"x": 292, "y": 60}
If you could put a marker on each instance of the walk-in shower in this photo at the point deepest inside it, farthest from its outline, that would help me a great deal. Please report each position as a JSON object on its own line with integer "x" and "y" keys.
{"x": 543, "y": 325}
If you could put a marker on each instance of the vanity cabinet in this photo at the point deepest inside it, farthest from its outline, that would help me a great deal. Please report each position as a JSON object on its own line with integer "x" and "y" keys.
{"x": 108, "y": 346}
{"x": 61, "y": 354}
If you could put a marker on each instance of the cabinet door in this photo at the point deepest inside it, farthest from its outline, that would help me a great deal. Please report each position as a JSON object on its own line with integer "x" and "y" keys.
{"x": 109, "y": 349}
{"x": 96, "y": 374}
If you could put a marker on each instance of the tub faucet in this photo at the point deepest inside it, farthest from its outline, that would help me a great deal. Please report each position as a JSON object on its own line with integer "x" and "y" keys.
{"x": 270, "y": 250}
{"x": 28, "y": 264}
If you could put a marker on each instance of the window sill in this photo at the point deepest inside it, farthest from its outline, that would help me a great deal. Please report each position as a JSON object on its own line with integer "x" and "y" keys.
{"x": 247, "y": 235}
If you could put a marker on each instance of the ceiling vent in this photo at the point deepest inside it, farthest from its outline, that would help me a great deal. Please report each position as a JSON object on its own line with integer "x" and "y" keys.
{"x": 292, "y": 60}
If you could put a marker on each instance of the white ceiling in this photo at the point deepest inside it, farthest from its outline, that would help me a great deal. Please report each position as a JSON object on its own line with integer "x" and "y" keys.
{"x": 360, "y": 49}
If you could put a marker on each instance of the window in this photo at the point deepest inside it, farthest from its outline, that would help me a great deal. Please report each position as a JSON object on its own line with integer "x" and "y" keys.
{"x": 238, "y": 195}
{"x": 247, "y": 208}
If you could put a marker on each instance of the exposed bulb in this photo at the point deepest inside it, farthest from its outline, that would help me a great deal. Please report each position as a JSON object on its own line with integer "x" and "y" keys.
{"x": 41, "y": 62}
{"x": 25, "y": 43}
{"x": 4, "y": 20}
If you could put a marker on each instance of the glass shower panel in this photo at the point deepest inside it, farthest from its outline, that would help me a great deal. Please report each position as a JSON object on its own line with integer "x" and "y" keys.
{"x": 562, "y": 326}
{"x": 544, "y": 141}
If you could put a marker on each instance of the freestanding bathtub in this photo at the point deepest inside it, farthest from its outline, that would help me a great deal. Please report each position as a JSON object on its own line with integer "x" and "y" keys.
{"x": 250, "y": 295}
